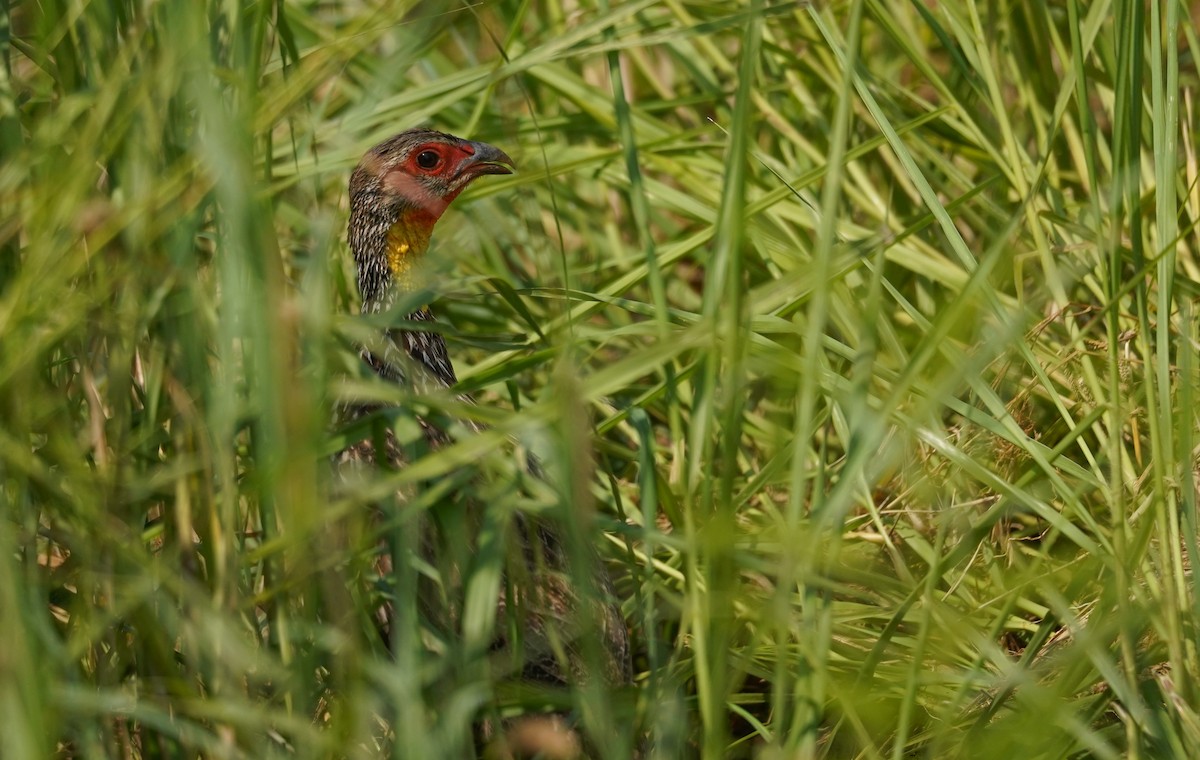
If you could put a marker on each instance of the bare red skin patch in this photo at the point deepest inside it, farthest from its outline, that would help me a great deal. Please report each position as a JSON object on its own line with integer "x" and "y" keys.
{"x": 407, "y": 181}
{"x": 450, "y": 157}
{"x": 427, "y": 205}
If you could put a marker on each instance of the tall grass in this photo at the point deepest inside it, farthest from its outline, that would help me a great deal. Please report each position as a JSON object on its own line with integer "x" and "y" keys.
{"x": 860, "y": 337}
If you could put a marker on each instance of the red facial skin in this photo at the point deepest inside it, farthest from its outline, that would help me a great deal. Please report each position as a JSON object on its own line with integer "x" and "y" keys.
{"x": 430, "y": 188}
{"x": 448, "y": 155}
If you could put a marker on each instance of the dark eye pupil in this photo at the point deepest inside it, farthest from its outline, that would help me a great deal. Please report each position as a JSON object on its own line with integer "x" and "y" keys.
{"x": 427, "y": 159}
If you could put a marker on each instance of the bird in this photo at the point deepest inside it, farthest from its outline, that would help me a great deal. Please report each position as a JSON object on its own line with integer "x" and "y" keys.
{"x": 398, "y": 192}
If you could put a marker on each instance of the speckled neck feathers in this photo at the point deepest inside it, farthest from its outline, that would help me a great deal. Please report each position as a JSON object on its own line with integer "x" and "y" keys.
{"x": 389, "y": 245}
{"x": 388, "y": 249}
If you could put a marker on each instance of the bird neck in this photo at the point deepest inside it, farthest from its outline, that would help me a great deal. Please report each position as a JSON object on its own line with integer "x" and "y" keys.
{"x": 389, "y": 253}
{"x": 388, "y": 247}
{"x": 407, "y": 242}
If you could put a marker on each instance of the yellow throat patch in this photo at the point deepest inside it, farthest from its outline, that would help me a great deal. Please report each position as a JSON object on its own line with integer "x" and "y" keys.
{"x": 406, "y": 244}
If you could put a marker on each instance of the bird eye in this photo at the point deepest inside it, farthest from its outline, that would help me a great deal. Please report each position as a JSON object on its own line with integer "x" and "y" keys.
{"x": 427, "y": 159}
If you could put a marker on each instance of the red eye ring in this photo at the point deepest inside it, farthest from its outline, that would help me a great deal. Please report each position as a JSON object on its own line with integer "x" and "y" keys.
{"x": 428, "y": 159}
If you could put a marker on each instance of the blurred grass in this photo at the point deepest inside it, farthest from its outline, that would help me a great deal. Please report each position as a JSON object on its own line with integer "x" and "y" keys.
{"x": 867, "y": 328}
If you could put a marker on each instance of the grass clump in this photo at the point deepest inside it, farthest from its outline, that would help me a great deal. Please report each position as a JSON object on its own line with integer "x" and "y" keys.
{"x": 859, "y": 337}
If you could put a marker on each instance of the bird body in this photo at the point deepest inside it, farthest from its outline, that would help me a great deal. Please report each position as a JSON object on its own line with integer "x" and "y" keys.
{"x": 398, "y": 192}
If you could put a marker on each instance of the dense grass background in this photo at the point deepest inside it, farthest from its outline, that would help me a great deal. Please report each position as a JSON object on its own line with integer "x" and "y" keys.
{"x": 866, "y": 329}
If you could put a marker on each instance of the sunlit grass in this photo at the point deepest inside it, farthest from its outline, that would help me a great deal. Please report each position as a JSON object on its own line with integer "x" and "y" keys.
{"x": 858, "y": 337}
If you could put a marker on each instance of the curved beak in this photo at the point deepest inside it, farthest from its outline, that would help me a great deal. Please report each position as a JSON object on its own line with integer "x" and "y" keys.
{"x": 487, "y": 159}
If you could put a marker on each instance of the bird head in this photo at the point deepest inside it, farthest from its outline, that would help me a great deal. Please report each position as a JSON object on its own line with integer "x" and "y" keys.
{"x": 398, "y": 192}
